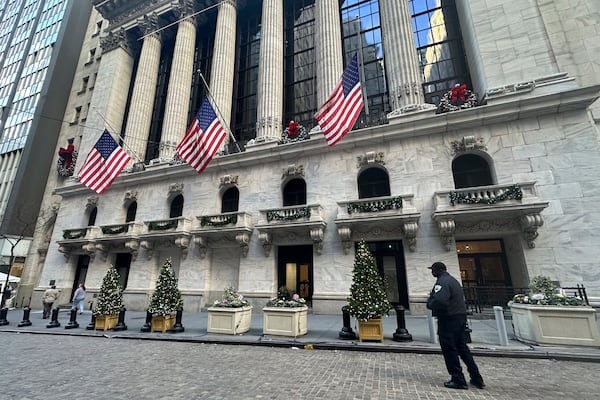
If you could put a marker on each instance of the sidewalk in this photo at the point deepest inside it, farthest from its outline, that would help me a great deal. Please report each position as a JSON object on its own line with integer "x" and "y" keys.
{"x": 323, "y": 333}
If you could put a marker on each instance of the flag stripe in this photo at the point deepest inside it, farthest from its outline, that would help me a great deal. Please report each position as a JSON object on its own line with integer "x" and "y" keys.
{"x": 202, "y": 139}
{"x": 103, "y": 164}
{"x": 341, "y": 110}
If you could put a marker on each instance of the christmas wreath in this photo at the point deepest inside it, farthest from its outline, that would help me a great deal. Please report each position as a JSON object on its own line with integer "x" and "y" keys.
{"x": 65, "y": 166}
{"x": 294, "y": 132}
{"x": 457, "y": 98}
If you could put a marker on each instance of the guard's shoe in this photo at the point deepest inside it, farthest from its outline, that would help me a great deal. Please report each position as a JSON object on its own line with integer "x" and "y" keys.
{"x": 478, "y": 385}
{"x": 454, "y": 385}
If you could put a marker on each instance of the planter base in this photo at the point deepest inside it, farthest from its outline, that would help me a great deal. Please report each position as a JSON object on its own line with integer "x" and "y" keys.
{"x": 371, "y": 329}
{"x": 229, "y": 321}
{"x": 162, "y": 323}
{"x": 555, "y": 325}
{"x": 106, "y": 322}
{"x": 285, "y": 321}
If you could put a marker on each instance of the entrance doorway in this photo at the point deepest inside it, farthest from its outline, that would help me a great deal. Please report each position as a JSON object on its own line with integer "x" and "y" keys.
{"x": 80, "y": 273}
{"x": 295, "y": 270}
{"x": 389, "y": 257}
{"x": 483, "y": 270}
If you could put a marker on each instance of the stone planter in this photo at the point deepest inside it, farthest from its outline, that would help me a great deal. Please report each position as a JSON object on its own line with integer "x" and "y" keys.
{"x": 106, "y": 322}
{"x": 162, "y": 323}
{"x": 371, "y": 329}
{"x": 285, "y": 321}
{"x": 555, "y": 325}
{"x": 229, "y": 321}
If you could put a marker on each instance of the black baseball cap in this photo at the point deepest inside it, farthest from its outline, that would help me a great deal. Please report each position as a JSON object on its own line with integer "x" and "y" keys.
{"x": 438, "y": 265}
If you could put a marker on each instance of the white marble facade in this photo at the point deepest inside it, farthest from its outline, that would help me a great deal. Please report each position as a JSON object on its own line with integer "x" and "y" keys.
{"x": 536, "y": 130}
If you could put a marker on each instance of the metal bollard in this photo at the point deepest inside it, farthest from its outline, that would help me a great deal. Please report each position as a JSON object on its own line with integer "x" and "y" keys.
{"x": 148, "y": 325}
{"x": 25, "y": 321}
{"x": 121, "y": 323}
{"x": 401, "y": 334}
{"x": 431, "y": 325}
{"x": 92, "y": 325}
{"x": 72, "y": 320}
{"x": 499, "y": 314}
{"x": 346, "y": 332}
{"x": 3, "y": 313}
{"x": 54, "y": 321}
{"x": 178, "y": 327}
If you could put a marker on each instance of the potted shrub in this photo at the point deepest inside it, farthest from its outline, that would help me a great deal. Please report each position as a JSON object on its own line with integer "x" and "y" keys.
{"x": 110, "y": 301}
{"x": 547, "y": 316}
{"x": 231, "y": 315}
{"x": 166, "y": 300}
{"x": 285, "y": 315}
{"x": 368, "y": 300}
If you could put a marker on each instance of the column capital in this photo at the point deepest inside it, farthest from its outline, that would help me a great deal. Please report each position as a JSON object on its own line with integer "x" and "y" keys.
{"x": 183, "y": 8}
{"x": 115, "y": 40}
{"x": 149, "y": 24}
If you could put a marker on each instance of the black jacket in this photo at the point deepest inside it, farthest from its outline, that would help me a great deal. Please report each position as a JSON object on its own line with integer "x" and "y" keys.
{"x": 447, "y": 297}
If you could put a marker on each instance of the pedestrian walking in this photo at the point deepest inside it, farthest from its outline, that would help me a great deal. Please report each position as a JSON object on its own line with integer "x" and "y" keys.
{"x": 447, "y": 302}
{"x": 78, "y": 298}
{"x": 48, "y": 299}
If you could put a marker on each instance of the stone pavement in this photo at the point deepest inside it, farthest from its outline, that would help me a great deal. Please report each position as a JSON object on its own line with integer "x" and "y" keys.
{"x": 323, "y": 333}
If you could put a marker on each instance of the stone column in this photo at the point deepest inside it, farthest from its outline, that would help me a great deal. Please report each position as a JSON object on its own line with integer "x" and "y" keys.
{"x": 180, "y": 85}
{"x": 270, "y": 73}
{"x": 144, "y": 90}
{"x": 328, "y": 48}
{"x": 107, "y": 107}
{"x": 401, "y": 62}
{"x": 223, "y": 63}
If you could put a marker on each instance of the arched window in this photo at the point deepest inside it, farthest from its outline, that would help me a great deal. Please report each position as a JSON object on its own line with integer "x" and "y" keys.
{"x": 230, "y": 200}
{"x": 294, "y": 193}
{"x": 92, "y": 217}
{"x": 373, "y": 182}
{"x": 470, "y": 170}
{"x": 131, "y": 210}
{"x": 176, "y": 207}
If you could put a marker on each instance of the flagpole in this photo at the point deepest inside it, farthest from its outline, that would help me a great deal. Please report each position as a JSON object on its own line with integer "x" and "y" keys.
{"x": 120, "y": 138}
{"x": 214, "y": 103}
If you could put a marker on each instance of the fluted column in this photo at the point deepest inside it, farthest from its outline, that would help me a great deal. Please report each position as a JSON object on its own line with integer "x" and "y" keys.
{"x": 107, "y": 107}
{"x": 222, "y": 69}
{"x": 270, "y": 72}
{"x": 328, "y": 46}
{"x": 401, "y": 62}
{"x": 144, "y": 90}
{"x": 180, "y": 85}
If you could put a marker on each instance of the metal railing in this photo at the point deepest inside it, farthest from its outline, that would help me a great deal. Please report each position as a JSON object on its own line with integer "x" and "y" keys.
{"x": 483, "y": 298}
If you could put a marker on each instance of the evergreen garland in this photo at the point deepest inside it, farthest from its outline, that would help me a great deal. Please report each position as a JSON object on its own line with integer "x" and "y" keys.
{"x": 166, "y": 298}
{"x": 368, "y": 298}
{"x": 110, "y": 298}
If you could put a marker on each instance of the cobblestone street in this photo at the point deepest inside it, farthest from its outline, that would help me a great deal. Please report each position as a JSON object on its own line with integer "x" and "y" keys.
{"x": 47, "y": 366}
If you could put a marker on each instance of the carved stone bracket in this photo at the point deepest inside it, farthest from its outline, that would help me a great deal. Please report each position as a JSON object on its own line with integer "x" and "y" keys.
{"x": 467, "y": 143}
{"x": 201, "y": 244}
{"x": 265, "y": 238}
{"x": 243, "y": 239}
{"x": 410, "y": 234}
{"x": 175, "y": 189}
{"x": 228, "y": 180}
{"x": 370, "y": 157}
{"x": 133, "y": 245}
{"x": 316, "y": 234}
{"x": 149, "y": 247}
{"x": 130, "y": 197}
{"x": 102, "y": 249}
{"x": 66, "y": 251}
{"x": 292, "y": 170}
{"x": 90, "y": 250}
{"x": 529, "y": 225}
{"x": 346, "y": 235}
{"x": 92, "y": 202}
{"x": 183, "y": 243}
{"x": 447, "y": 228}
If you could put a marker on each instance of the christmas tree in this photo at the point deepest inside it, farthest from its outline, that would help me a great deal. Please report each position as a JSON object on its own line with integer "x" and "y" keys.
{"x": 110, "y": 298}
{"x": 166, "y": 298}
{"x": 368, "y": 298}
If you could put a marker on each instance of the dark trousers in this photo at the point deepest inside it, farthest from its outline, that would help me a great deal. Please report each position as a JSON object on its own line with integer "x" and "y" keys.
{"x": 47, "y": 310}
{"x": 453, "y": 341}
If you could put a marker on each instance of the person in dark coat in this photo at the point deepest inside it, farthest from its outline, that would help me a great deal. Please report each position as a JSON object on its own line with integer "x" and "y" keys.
{"x": 447, "y": 303}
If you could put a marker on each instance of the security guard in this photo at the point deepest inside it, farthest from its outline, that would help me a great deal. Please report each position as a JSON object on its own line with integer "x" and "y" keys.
{"x": 447, "y": 302}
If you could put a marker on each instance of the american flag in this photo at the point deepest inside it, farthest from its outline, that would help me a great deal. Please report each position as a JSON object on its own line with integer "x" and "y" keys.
{"x": 338, "y": 114}
{"x": 103, "y": 164}
{"x": 203, "y": 138}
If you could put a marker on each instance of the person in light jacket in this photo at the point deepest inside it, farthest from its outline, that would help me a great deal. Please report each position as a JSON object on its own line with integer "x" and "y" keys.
{"x": 48, "y": 299}
{"x": 78, "y": 298}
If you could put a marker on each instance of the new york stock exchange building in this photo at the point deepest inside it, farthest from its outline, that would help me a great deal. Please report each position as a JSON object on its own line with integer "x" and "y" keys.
{"x": 477, "y": 146}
